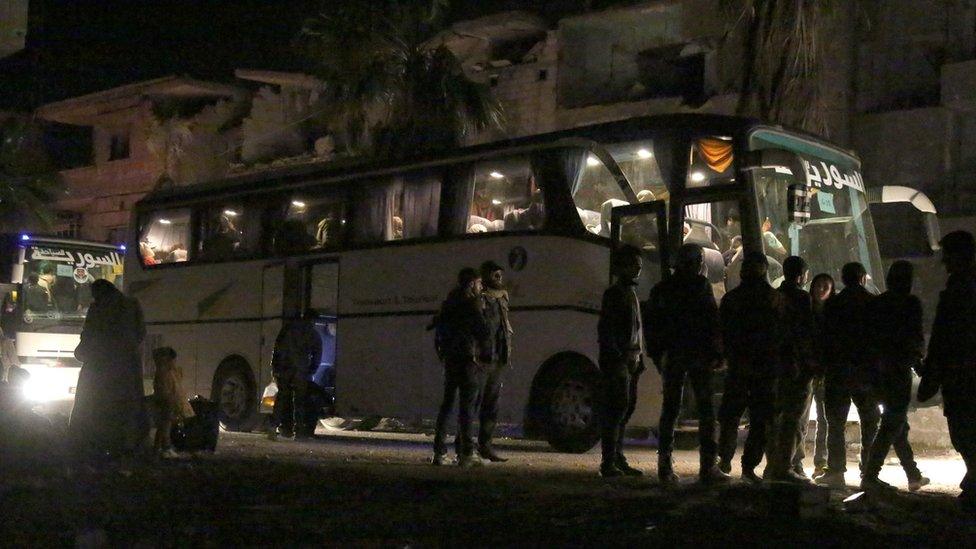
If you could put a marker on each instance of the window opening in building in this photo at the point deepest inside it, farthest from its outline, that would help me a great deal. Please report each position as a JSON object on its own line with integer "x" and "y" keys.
{"x": 119, "y": 146}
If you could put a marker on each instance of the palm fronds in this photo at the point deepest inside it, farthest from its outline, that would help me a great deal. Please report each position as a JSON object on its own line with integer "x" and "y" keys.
{"x": 390, "y": 88}
{"x": 28, "y": 181}
{"x": 782, "y": 60}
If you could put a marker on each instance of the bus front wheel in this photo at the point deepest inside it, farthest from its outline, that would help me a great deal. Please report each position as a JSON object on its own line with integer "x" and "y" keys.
{"x": 234, "y": 393}
{"x": 572, "y": 416}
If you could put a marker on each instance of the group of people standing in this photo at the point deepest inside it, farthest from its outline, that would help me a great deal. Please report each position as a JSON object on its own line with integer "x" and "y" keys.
{"x": 784, "y": 348}
{"x": 473, "y": 336}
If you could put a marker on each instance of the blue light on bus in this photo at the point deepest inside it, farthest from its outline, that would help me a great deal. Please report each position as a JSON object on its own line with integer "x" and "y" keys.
{"x": 122, "y": 247}
{"x": 25, "y": 237}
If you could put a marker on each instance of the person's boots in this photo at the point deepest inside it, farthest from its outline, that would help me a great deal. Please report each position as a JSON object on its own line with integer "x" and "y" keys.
{"x": 610, "y": 470}
{"x": 917, "y": 482}
{"x": 871, "y": 483}
{"x": 832, "y": 479}
{"x": 665, "y": 470}
{"x": 621, "y": 463}
{"x": 709, "y": 472}
{"x": 488, "y": 453}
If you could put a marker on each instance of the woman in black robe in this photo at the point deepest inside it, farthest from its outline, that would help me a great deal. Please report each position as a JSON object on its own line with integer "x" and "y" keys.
{"x": 109, "y": 415}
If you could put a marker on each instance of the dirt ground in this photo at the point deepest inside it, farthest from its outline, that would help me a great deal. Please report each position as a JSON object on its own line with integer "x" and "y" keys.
{"x": 376, "y": 489}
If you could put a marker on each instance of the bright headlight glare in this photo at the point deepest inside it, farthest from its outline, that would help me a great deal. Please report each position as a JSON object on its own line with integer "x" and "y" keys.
{"x": 36, "y": 390}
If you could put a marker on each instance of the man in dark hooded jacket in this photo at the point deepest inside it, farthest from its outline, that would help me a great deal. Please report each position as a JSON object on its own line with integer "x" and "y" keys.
{"x": 849, "y": 373}
{"x": 951, "y": 359}
{"x": 465, "y": 348}
{"x": 681, "y": 327}
{"x": 752, "y": 317}
{"x": 898, "y": 342}
{"x": 621, "y": 341}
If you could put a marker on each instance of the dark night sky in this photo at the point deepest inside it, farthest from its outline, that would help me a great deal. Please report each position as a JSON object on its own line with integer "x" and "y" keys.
{"x": 81, "y": 46}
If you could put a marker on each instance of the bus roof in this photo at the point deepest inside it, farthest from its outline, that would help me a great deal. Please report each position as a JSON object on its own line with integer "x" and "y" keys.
{"x": 621, "y": 130}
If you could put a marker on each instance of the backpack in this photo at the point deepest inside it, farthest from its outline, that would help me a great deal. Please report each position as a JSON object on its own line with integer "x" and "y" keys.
{"x": 441, "y": 330}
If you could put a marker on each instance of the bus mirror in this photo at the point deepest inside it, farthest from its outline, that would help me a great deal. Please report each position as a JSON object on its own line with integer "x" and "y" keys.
{"x": 932, "y": 231}
{"x": 799, "y": 203}
{"x": 890, "y": 194}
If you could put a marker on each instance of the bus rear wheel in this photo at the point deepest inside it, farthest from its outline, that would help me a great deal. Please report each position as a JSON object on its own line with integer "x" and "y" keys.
{"x": 235, "y": 396}
{"x": 572, "y": 414}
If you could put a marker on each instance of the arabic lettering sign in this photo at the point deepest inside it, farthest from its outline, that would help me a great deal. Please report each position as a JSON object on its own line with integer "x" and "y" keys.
{"x": 821, "y": 173}
{"x": 78, "y": 258}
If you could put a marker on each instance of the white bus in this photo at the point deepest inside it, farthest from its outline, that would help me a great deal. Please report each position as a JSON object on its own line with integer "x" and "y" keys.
{"x": 373, "y": 248}
{"x": 46, "y": 287}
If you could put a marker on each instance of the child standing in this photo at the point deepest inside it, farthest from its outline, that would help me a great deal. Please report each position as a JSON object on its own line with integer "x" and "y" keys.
{"x": 171, "y": 405}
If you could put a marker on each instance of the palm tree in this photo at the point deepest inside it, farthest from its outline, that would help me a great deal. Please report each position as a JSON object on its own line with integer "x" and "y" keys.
{"x": 782, "y": 60}
{"x": 392, "y": 87}
{"x": 28, "y": 181}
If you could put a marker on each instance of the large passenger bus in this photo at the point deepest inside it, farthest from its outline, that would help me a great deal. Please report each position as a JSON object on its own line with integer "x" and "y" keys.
{"x": 45, "y": 284}
{"x": 371, "y": 249}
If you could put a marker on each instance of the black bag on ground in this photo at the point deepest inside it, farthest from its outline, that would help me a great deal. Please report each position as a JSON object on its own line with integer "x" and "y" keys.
{"x": 199, "y": 432}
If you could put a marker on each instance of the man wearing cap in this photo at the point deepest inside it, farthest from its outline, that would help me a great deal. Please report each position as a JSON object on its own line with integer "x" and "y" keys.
{"x": 951, "y": 359}
{"x": 495, "y": 298}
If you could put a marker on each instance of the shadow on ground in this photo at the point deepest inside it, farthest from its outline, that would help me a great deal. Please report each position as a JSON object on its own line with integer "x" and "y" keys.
{"x": 221, "y": 500}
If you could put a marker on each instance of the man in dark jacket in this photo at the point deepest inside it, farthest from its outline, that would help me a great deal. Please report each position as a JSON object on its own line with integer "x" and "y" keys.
{"x": 465, "y": 347}
{"x": 621, "y": 340}
{"x": 682, "y": 330}
{"x": 951, "y": 359}
{"x": 495, "y": 298}
{"x": 297, "y": 353}
{"x": 849, "y": 373}
{"x": 794, "y": 376}
{"x": 752, "y": 316}
{"x": 897, "y": 342}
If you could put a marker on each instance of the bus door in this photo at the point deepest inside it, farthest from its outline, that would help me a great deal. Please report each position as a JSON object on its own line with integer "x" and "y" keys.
{"x": 272, "y": 309}
{"x": 643, "y": 226}
{"x": 321, "y": 296}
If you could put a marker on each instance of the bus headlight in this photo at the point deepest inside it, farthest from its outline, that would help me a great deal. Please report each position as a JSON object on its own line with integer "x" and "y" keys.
{"x": 47, "y": 384}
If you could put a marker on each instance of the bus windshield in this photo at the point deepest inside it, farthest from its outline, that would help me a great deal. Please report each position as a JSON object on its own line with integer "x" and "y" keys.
{"x": 57, "y": 279}
{"x": 840, "y": 229}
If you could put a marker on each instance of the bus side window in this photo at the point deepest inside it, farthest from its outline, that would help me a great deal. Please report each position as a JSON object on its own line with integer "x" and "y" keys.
{"x": 419, "y": 205}
{"x": 505, "y": 197}
{"x": 164, "y": 237}
{"x": 374, "y": 208}
{"x": 313, "y": 221}
{"x": 229, "y": 230}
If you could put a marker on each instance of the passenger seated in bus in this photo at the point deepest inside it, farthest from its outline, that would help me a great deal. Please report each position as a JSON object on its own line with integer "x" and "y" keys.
{"x": 323, "y": 233}
{"x": 771, "y": 242}
{"x": 486, "y": 226}
{"x": 646, "y": 196}
{"x": 47, "y": 277}
{"x": 397, "y": 228}
{"x": 734, "y": 247}
{"x": 36, "y": 297}
{"x": 177, "y": 253}
{"x": 590, "y": 219}
{"x": 605, "y": 210}
{"x": 65, "y": 294}
{"x": 224, "y": 242}
{"x": 291, "y": 238}
{"x": 147, "y": 253}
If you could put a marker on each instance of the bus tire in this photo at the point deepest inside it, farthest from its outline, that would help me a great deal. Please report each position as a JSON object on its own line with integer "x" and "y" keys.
{"x": 235, "y": 394}
{"x": 571, "y": 405}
